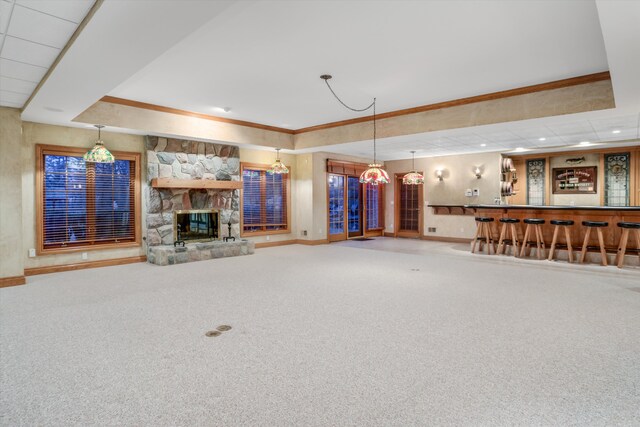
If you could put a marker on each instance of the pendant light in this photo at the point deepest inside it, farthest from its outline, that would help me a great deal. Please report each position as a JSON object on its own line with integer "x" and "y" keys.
{"x": 413, "y": 177}
{"x": 99, "y": 153}
{"x": 278, "y": 167}
{"x": 375, "y": 174}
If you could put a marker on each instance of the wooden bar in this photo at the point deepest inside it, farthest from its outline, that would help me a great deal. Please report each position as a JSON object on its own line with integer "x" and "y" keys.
{"x": 612, "y": 215}
{"x": 195, "y": 183}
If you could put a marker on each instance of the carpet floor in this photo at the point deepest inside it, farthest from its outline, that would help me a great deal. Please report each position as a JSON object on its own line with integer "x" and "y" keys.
{"x": 385, "y": 332}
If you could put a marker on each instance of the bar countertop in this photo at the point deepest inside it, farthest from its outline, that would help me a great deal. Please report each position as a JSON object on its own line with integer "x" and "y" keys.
{"x": 558, "y": 207}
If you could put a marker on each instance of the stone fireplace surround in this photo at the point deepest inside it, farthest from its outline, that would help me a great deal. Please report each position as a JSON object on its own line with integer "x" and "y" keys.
{"x": 189, "y": 160}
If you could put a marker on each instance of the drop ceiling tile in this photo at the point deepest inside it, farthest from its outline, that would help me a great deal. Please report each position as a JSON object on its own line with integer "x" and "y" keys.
{"x": 17, "y": 86}
{"x": 21, "y": 71}
{"x": 17, "y": 98}
{"x": 5, "y": 15}
{"x": 27, "y": 52}
{"x": 10, "y": 104}
{"x": 40, "y": 28}
{"x": 71, "y": 10}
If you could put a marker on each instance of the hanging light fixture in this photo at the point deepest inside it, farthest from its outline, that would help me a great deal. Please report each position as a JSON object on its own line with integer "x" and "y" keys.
{"x": 413, "y": 177}
{"x": 99, "y": 153}
{"x": 278, "y": 167}
{"x": 375, "y": 174}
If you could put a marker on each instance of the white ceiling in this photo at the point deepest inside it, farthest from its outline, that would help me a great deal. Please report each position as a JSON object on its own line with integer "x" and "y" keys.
{"x": 263, "y": 59}
{"x": 32, "y": 35}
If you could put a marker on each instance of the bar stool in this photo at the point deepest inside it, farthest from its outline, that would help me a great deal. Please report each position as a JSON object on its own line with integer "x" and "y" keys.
{"x": 622, "y": 247}
{"x": 598, "y": 225}
{"x": 564, "y": 224}
{"x": 483, "y": 234}
{"x": 508, "y": 226}
{"x": 536, "y": 224}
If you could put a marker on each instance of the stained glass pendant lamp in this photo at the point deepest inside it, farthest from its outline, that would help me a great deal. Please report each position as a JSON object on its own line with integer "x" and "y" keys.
{"x": 374, "y": 174}
{"x": 413, "y": 177}
{"x": 99, "y": 153}
{"x": 278, "y": 167}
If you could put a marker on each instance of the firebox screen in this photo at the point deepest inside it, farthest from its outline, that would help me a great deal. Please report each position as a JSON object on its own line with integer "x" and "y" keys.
{"x": 197, "y": 226}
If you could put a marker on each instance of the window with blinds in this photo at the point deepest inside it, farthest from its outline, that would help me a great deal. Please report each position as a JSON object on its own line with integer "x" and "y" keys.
{"x": 86, "y": 204}
{"x": 264, "y": 200}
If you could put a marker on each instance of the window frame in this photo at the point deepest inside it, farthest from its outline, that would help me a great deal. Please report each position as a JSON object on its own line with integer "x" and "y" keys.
{"x": 287, "y": 178}
{"x": 56, "y": 150}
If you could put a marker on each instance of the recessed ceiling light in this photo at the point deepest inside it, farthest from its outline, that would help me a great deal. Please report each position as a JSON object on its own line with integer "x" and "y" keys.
{"x": 222, "y": 109}
{"x": 55, "y": 110}
{"x": 519, "y": 149}
{"x": 542, "y": 139}
{"x": 483, "y": 145}
{"x": 585, "y": 143}
{"x": 616, "y": 131}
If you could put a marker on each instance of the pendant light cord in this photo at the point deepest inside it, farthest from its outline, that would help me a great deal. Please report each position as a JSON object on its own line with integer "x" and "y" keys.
{"x": 358, "y": 110}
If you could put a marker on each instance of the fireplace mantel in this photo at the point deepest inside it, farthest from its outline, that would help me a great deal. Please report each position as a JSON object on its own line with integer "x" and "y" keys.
{"x": 195, "y": 183}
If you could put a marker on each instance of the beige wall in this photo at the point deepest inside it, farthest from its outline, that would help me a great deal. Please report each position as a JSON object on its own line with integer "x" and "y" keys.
{"x": 11, "y": 242}
{"x": 37, "y": 133}
{"x": 458, "y": 175}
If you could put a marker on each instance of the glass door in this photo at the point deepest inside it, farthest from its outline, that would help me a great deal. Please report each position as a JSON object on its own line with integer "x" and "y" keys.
{"x": 337, "y": 229}
{"x": 354, "y": 206}
{"x": 408, "y": 209}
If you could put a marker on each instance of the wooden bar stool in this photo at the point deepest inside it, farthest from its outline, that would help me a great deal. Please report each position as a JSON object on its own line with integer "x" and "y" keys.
{"x": 622, "y": 246}
{"x": 536, "y": 224}
{"x": 483, "y": 234}
{"x": 564, "y": 224}
{"x": 598, "y": 225}
{"x": 508, "y": 226}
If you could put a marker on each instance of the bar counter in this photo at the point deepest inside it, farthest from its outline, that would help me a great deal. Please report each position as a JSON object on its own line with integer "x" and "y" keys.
{"x": 610, "y": 214}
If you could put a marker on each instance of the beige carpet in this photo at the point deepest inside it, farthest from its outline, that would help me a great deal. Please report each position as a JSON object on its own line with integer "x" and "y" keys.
{"x": 384, "y": 332}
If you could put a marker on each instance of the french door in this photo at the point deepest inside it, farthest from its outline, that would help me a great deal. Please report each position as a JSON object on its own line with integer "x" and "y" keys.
{"x": 354, "y": 209}
{"x": 408, "y": 212}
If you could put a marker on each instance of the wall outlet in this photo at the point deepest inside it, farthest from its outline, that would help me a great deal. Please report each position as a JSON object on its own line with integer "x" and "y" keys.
{"x": 476, "y": 192}
{"x": 85, "y": 255}
{"x": 468, "y": 192}
{"x": 303, "y": 232}
{"x": 32, "y": 253}
{"x": 431, "y": 229}
{"x": 268, "y": 237}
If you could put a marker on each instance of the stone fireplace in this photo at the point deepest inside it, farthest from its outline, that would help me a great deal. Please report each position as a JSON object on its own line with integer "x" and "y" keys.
{"x": 192, "y": 161}
{"x": 194, "y": 185}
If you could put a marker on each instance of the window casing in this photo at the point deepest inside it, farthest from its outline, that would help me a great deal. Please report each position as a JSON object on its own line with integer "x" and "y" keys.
{"x": 83, "y": 206}
{"x": 264, "y": 202}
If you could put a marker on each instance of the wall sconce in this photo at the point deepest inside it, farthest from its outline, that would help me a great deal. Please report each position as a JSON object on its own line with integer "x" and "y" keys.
{"x": 478, "y": 173}
{"x": 439, "y": 174}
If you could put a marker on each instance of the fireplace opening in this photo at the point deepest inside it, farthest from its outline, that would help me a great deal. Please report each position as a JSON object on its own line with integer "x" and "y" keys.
{"x": 196, "y": 225}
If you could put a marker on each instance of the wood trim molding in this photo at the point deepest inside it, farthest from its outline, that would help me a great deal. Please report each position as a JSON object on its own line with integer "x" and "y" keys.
{"x": 557, "y": 84}
{"x": 446, "y": 239}
{"x": 5, "y": 282}
{"x": 83, "y": 265}
{"x": 195, "y": 183}
{"x": 292, "y": 242}
{"x": 162, "y": 109}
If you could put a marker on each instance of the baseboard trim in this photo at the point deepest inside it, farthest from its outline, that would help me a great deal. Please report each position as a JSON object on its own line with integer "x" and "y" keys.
{"x": 5, "y": 282}
{"x": 446, "y": 239}
{"x": 83, "y": 265}
{"x": 388, "y": 234}
{"x": 313, "y": 242}
{"x": 291, "y": 242}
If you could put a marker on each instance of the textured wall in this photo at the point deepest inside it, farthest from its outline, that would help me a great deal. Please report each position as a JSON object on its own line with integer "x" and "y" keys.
{"x": 11, "y": 248}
